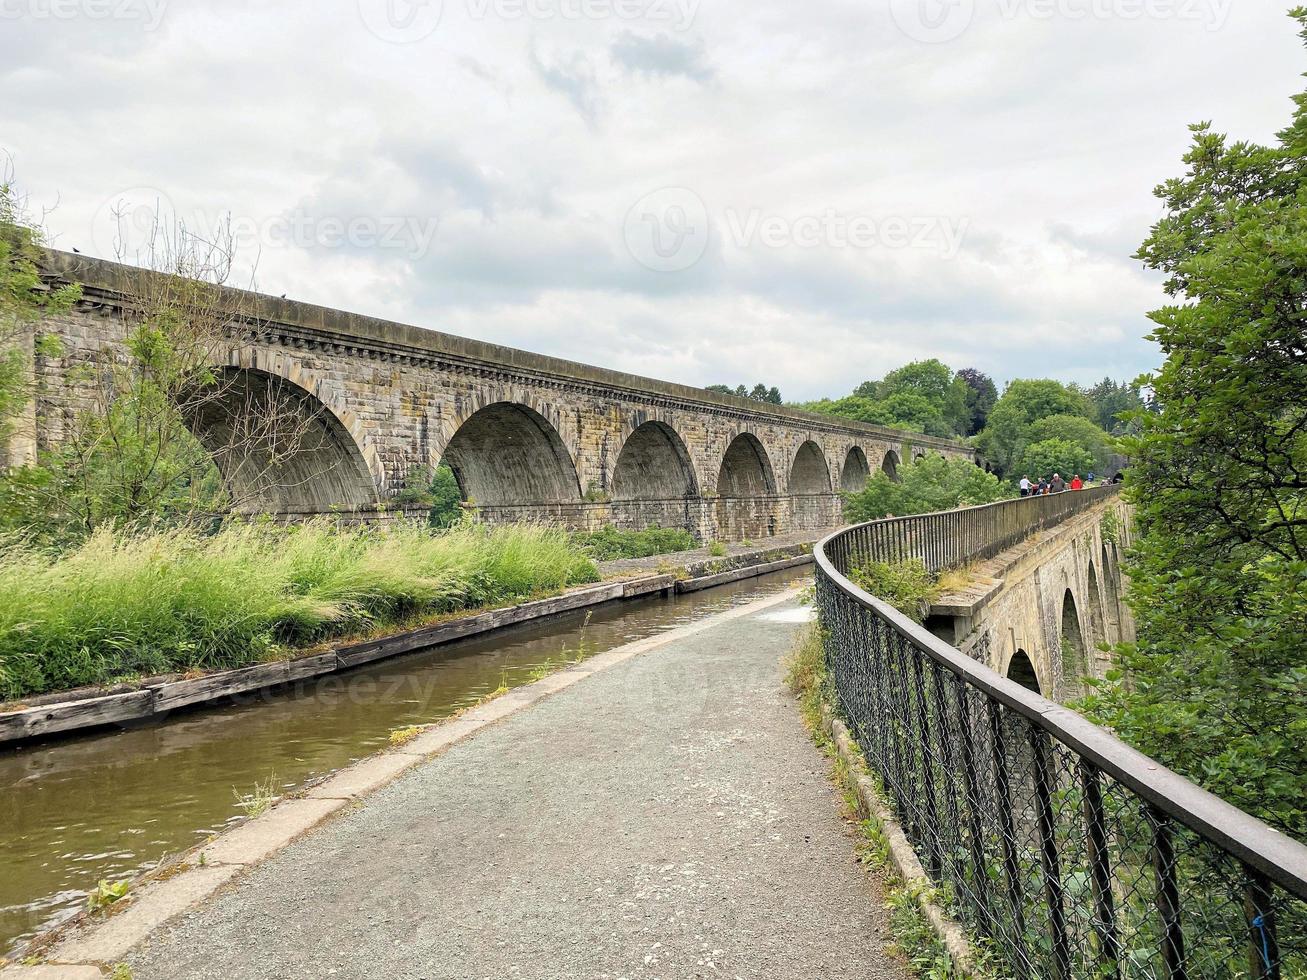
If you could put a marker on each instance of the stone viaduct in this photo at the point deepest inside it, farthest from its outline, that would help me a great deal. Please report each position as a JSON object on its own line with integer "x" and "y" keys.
{"x": 527, "y": 436}
{"x": 1038, "y": 612}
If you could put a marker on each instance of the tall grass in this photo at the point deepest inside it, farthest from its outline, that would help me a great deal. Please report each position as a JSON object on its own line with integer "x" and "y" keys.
{"x": 123, "y": 605}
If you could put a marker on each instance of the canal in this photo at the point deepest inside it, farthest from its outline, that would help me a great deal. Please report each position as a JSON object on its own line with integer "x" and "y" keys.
{"x": 117, "y": 803}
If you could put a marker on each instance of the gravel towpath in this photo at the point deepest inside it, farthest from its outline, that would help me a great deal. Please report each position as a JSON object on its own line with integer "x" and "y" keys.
{"x": 664, "y": 818}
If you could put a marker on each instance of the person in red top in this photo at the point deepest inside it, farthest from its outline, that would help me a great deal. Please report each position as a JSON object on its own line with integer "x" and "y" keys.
{"x": 1077, "y": 483}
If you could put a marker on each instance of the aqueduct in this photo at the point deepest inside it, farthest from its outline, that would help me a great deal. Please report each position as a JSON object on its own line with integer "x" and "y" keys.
{"x": 1039, "y": 612}
{"x": 527, "y": 436}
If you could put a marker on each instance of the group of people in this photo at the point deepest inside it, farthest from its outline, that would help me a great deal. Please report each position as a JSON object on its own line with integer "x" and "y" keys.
{"x": 1031, "y": 488}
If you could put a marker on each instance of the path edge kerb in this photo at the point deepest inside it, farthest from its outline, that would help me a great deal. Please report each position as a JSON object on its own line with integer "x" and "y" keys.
{"x": 906, "y": 863}
{"x": 155, "y": 898}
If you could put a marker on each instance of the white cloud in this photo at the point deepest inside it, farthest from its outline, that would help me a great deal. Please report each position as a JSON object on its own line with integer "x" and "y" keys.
{"x": 522, "y": 134}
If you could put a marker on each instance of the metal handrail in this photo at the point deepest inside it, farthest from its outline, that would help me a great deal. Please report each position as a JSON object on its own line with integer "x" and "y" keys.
{"x": 890, "y": 642}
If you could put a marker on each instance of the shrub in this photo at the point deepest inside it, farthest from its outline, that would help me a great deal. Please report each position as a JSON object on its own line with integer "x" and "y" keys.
{"x": 609, "y": 543}
{"x": 906, "y": 586}
{"x": 932, "y": 483}
{"x": 124, "y": 604}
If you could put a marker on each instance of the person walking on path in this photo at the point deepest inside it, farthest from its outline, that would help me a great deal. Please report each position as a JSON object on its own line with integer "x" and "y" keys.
{"x": 1058, "y": 484}
{"x": 1025, "y": 486}
{"x": 1077, "y": 483}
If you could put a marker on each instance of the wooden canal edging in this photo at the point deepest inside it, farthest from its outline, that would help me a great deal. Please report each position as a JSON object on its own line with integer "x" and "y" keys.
{"x": 157, "y": 699}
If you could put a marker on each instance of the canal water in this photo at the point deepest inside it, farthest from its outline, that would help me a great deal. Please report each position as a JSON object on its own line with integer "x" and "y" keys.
{"x": 111, "y": 805}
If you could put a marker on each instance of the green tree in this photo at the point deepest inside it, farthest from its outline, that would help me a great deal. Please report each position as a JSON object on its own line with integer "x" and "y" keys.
{"x": 981, "y": 396}
{"x": 1078, "y": 431}
{"x": 1061, "y": 456}
{"x": 1113, "y": 402}
{"x": 929, "y": 484}
{"x": 1216, "y": 686}
{"x": 759, "y": 393}
{"x": 934, "y": 382}
{"x": 437, "y": 489}
{"x": 912, "y": 411}
{"x": 1024, "y": 402}
{"x": 128, "y": 455}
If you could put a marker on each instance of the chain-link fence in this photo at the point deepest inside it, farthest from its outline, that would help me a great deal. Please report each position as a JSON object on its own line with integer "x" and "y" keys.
{"x": 1071, "y": 854}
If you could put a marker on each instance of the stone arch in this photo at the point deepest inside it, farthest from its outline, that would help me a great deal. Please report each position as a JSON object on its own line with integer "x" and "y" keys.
{"x": 890, "y": 465}
{"x": 1075, "y": 655}
{"x": 855, "y": 472}
{"x": 447, "y": 422}
{"x": 508, "y": 454}
{"x": 278, "y": 444}
{"x": 746, "y": 469}
{"x": 1021, "y": 670}
{"x": 654, "y": 465}
{"x": 810, "y": 473}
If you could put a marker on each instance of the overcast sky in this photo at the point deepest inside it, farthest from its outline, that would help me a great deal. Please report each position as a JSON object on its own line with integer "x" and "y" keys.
{"x": 803, "y": 193}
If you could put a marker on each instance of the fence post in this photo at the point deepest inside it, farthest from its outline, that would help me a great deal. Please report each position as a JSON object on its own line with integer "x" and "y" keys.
{"x": 971, "y": 785}
{"x": 1100, "y": 873}
{"x": 1007, "y": 831}
{"x": 1048, "y": 855}
{"x": 934, "y": 854}
{"x": 1168, "y": 894}
{"x": 1263, "y": 945}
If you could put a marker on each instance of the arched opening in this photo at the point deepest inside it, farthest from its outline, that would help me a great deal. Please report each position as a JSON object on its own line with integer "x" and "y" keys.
{"x": 1022, "y": 671}
{"x": 653, "y": 465}
{"x": 1075, "y": 660}
{"x": 507, "y": 454}
{"x": 278, "y": 448}
{"x": 890, "y": 465}
{"x": 1097, "y": 631}
{"x": 856, "y": 472}
{"x": 745, "y": 476}
{"x": 746, "y": 471}
{"x": 1111, "y": 595}
{"x": 809, "y": 474}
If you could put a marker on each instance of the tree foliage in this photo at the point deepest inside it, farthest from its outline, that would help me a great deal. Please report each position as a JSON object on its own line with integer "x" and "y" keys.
{"x": 1216, "y": 685}
{"x": 981, "y": 396}
{"x": 1092, "y": 444}
{"x": 1023, "y": 403}
{"x": 931, "y": 483}
{"x": 759, "y": 392}
{"x": 437, "y": 489}
{"x": 1113, "y": 403}
{"x": 1063, "y": 457}
{"x": 923, "y": 396}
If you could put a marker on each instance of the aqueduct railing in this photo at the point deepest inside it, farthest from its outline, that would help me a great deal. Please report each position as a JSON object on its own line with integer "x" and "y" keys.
{"x": 1070, "y": 854}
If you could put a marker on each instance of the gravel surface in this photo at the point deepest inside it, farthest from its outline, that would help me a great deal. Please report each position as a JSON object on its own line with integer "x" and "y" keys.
{"x": 666, "y": 818}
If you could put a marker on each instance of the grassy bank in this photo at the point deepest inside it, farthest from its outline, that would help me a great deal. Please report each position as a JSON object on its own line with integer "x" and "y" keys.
{"x": 121, "y": 605}
{"x": 609, "y": 543}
